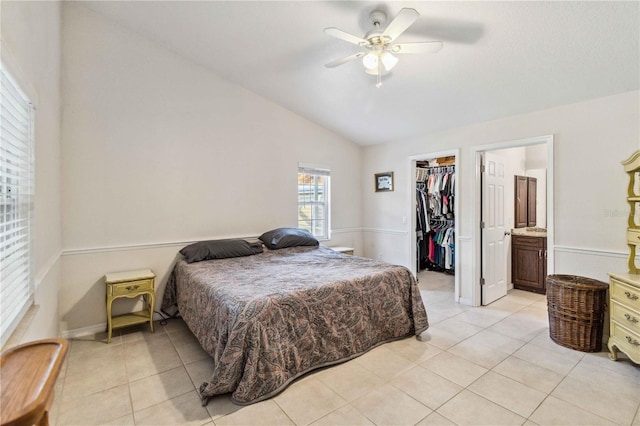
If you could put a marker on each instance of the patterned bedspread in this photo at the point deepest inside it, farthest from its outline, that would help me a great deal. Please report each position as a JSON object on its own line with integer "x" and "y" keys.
{"x": 269, "y": 318}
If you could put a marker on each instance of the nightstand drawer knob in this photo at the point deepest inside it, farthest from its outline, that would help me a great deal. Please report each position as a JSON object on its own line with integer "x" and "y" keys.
{"x": 631, "y": 296}
{"x": 631, "y": 319}
{"x": 634, "y": 342}
{"x": 132, "y": 287}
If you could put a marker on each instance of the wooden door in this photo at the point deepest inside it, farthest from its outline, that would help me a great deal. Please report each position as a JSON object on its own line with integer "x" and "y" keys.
{"x": 532, "y": 186}
{"x": 494, "y": 263}
{"x": 520, "y": 188}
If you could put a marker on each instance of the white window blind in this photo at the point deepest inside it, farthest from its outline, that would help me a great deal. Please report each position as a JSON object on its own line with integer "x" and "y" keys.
{"x": 313, "y": 201}
{"x": 16, "y": 204}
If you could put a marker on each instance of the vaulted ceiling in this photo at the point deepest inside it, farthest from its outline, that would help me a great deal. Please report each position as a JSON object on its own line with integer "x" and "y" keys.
{"x": 499, "y": 58}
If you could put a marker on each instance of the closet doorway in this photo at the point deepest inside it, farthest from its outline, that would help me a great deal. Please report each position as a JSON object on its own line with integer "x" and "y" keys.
{"x": 433, "y": 213}
{"x": 530, "y": 159}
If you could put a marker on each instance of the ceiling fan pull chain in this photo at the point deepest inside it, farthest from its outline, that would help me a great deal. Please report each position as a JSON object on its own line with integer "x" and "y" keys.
{"x": 379, "y": 77}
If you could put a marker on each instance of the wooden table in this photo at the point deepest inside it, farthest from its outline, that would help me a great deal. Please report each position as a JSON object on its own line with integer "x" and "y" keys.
{"x": 28, "y": 375}
{"x": 130, "y": 284}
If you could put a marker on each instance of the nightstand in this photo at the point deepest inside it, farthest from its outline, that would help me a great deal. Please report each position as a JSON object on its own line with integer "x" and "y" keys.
{"x": 130, "y": 284}
{"x": 345, "y": 250}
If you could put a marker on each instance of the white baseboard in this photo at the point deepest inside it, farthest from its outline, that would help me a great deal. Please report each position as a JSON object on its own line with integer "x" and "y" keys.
{"x": 98, "y": 328}
{"x": 84, "y": 331}
{"x": 465, "y": 301}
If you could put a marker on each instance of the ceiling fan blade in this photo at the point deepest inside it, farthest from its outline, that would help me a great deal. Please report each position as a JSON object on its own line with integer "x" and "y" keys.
{"x": 344, "y": 60}
{"x": 400, "y": 23}
{"x": 334, "y": 32}
{"x": 417, "y": 47}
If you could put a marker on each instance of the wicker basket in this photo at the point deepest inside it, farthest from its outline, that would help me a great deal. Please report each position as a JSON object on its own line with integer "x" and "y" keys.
{"x": 576, "y": 308}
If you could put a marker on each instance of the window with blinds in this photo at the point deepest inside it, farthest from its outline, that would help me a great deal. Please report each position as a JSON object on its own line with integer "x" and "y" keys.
{"x": 16, "y": 204}
{"x": 313, "y": 201}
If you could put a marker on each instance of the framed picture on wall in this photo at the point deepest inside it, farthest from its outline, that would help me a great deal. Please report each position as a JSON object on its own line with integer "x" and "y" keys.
{"x": 384, "y": 181}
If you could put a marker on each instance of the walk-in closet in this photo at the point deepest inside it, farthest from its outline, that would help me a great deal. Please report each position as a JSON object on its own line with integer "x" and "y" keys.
{"x": 435, "y": 218}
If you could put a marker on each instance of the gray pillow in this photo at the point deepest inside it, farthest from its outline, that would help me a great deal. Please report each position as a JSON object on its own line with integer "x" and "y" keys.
{"x": 288, "y": 237}
{"x": 219, "y": 249}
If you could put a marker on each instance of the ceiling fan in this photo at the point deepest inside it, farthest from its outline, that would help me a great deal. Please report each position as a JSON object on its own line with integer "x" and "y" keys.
{"x": 379, "y": 57}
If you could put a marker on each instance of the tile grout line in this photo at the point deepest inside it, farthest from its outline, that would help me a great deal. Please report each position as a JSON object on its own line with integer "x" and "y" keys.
{"x": 527, "y": 418}
{"x": 126, "y": 369}
{"x": 184, "y": 366}
{"x": 580, "y": 408}
{"x": 540, "y": 343}
{"x": 64, "y": 379}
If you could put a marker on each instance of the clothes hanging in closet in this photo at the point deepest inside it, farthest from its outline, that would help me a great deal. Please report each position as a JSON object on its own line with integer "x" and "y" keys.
{"x": 422, "y": 224}
{"x": 441, "y": 253}
{"x": 435, "y": 204}
{"x": 440, "y": 186}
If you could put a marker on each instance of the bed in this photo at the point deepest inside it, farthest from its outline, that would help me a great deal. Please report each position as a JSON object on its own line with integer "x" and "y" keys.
{"x": 269, "y": 318}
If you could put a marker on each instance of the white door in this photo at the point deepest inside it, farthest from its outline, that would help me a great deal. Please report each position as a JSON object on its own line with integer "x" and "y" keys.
{"x": 494, "y": 262}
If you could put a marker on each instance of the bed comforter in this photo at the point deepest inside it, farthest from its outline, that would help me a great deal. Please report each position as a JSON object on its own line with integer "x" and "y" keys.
{"x": 269, "y": 318}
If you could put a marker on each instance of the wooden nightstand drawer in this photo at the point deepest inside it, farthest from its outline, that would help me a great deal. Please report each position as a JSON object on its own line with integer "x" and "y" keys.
{"x": 625, "y": 294}
{"x": 625, "y": 316}
{"x": 624, "y": 300}
{"x": 131, "y": 287}
{"x": 626, "y": 340}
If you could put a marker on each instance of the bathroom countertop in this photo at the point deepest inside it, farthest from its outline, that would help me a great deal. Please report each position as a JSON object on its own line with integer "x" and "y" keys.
{"x": 530, "y": 232}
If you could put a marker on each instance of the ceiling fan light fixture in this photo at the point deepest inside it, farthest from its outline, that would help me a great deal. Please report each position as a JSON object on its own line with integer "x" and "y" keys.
{"x": 388, "y": 60}
{"x": 370, "y": 61}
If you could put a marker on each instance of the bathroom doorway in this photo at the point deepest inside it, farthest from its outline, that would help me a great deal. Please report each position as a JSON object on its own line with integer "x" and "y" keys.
{"x": 500, "y": 268}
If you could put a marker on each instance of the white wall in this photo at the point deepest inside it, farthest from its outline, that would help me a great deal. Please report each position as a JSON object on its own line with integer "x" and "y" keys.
{"x": 590, "y": 140}
{"x": 536, "y": 157}
{"x": 158, "y": 151}
{"x": 31, "y": 49}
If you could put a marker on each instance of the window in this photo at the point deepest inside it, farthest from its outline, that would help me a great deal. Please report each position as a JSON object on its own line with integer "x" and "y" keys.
{"x": 16, "y": 204}
{"x": 313, "y": 201}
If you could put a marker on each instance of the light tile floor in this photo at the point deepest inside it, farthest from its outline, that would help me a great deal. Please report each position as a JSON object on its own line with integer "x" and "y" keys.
{"x": 492, "y": 365}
